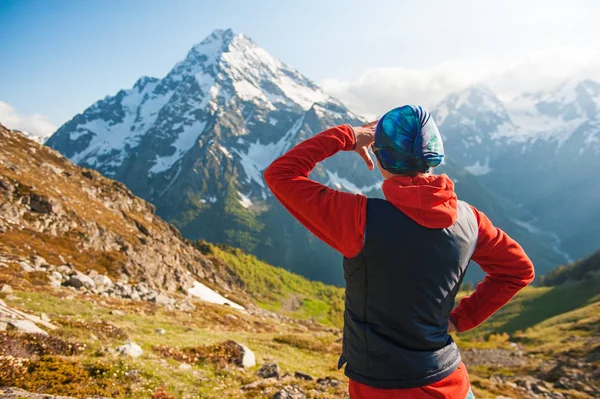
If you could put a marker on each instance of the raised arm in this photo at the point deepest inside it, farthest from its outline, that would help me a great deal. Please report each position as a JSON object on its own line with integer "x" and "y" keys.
{"x": 508, "y": 270}
{"x": 336, "y": 217}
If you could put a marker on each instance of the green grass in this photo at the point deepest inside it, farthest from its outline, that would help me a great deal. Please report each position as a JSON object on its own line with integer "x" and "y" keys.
{"x": 533, "y": 305}
{"x": 277, "y": 289}
{"x": 313, "y": 351}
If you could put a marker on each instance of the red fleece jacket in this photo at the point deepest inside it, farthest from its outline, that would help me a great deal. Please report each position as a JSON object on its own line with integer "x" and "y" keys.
{"x": 339, "y": 219}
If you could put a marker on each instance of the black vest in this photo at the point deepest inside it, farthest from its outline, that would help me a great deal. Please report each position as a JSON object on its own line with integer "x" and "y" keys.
{"x": 400, "y": 290}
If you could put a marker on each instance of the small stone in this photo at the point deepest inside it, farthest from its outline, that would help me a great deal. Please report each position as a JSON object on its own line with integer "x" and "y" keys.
{"x": 65, "y": 269}
{"x": 160, "y": 331}
{"x": 185, "y": 367}
{"x": 303, "y": 376}
{"x": 269, "y": 370}
{"x": 249, "y": 360}
{"x": 56, "y": 276}
{"x": 328, "y": 382}
{"x": 26, "y": 326}
{"x": 3, "y": 326}
{"x": 131, "y": 349}
{"x": 92, "y": 273}
{"x": 45, "y": 317}
{"x": 38, "y": 261}
{"x": 11, "y": 298}
{"x": 289, "y": 392}
{"x": 6, "y": 289}
{"x": 26, "y": 267}
{"x": 117, "y": 312}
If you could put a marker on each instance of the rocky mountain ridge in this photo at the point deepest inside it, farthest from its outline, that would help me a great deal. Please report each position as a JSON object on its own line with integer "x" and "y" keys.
{"x": 58, "y": 218}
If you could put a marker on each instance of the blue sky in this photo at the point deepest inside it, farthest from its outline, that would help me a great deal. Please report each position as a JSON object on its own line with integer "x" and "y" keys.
{"x": 60, "y": 56}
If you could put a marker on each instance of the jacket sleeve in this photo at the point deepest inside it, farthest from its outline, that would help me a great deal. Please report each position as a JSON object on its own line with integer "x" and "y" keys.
{"x": 336, "y": 217}
{"x": 508, "y": 270}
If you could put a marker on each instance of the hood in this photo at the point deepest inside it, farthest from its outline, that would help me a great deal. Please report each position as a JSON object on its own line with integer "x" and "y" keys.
{"x": 428, "y": 200}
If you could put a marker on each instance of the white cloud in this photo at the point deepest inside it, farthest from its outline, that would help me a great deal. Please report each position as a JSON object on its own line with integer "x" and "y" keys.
{"x": 377, "y": 90}
{"x": 36, "y": 124}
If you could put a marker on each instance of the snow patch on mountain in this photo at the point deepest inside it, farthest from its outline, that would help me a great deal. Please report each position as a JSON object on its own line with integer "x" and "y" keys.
{"x": 204, "y": 293}
{"x": 182, "y": 144}
{"x": 140, "y": 107}
{"x": 244, "y": 201}
{"x": 258, "y": 156}
{"x": 479, "y": 169}
{"x": 344, "y": 184}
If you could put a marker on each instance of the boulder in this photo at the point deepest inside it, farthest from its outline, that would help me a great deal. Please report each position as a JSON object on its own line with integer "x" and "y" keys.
{"x": 25, "y": 326}
{"x": 79, "y": 281}
{"x": 289, "y": 392}
{"x": 328, "y": 382}
{"x": 117, "y": 312}
{"x": 26, "y": 267}
{"x": 248, "y": 360}
{"x": 162, "y": 299}
{"x": 6, "y": 289}
{"x": 41, "y": 204}
{"x": 269, "y": 370}
{"x": 38, "y": 261}
{"x": 131, "y": 349}
{"x": 303, "y": 376}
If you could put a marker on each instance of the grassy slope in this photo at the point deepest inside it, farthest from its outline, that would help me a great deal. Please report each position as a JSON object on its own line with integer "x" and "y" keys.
{"x": 547, "y": 316}
{"x": 287, "y": 293}
{"x": 534, "y": 305}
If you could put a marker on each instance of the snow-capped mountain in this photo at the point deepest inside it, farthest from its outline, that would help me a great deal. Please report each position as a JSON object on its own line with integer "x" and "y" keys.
{"x": 540, "y": 151}
{"x": 196, "y": 142}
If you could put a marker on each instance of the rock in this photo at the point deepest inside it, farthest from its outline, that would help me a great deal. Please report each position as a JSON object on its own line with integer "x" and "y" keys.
{"x": 117, "y": 312}
{"x": 6, "y": 289}
{"x": 54, "y": 275}
{"x": 3, "y": 326}
{"x": 26, "y": 326}
{"x": 65, "y": 269}
{"x": 185, "y": 306}
{"x": 55, "y": 283}
{"x": 11, "y": 298}
{"x": 38, "y": 261}
{"x": 102, "y": 280}
{"x": 269, "y": 370}
{"x": 45, "y": 317}
{"x": 162, "y": 299}
{"x": 131, "y": 349}
{"x": 79, "y": 281}
{"x": 41, "y": 204}
{"x": 303, "y": 376}
{"x": 185, "y": 367}
{"x": 92, "y": 273}
{"x": 26, "y": 267}
{"x": 328, "y": 382}
{"x": 289, "y": 392}
{"x": 248, "y": 360}
{"x": 160, "y": 331}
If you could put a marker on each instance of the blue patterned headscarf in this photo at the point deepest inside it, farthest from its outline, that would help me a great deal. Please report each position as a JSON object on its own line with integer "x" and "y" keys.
{"x": 407, "y": 140}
